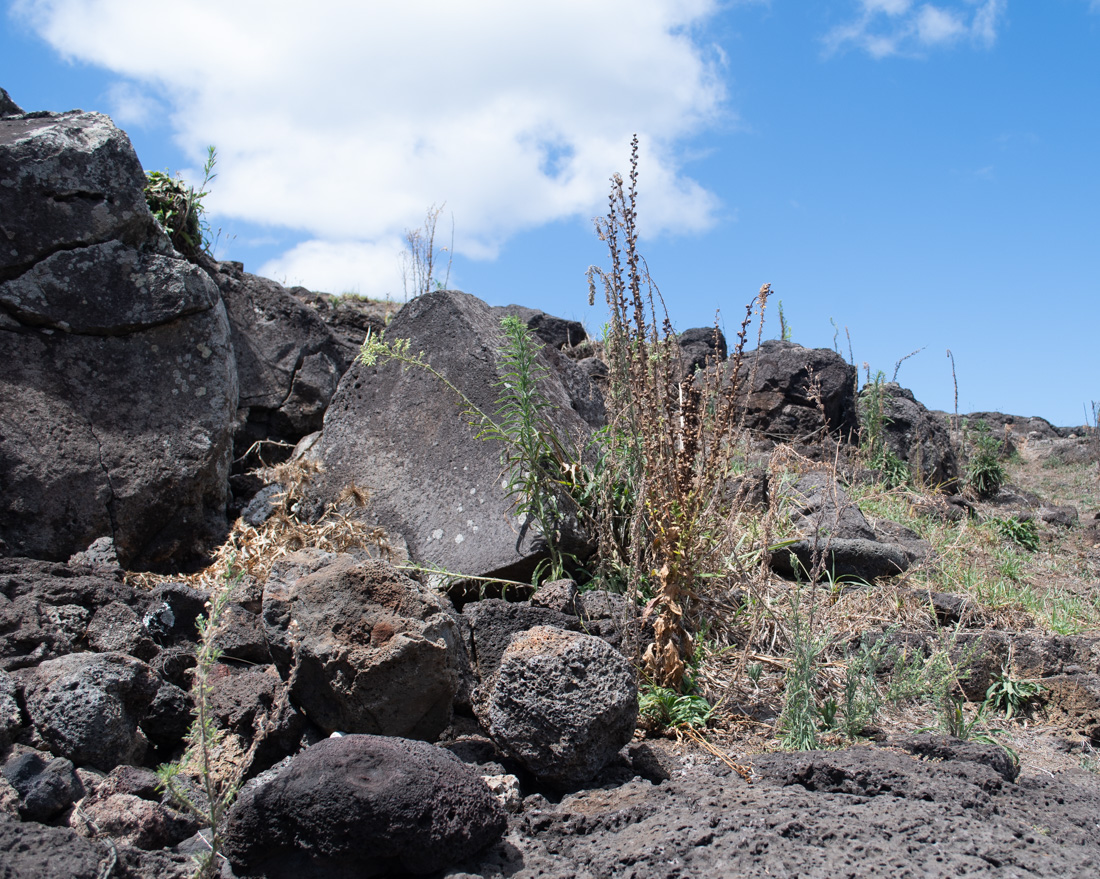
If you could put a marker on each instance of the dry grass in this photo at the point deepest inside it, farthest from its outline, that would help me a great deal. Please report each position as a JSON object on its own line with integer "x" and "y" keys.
{"x": 252, "y": 551}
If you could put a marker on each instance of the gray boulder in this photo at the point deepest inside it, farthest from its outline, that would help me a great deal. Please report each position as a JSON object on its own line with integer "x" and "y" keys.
{"x": 87, "y": 706}
{"x": 8, "y": 107}
{"x": 494, "y": 622}
{"x": 777, "y": 384}
{"x": 556, "y": 332}
{"x": 400, "y": 432}
{"x": 838, "y": 535}
{"x": 46, "y": 608}
{"x": 120, "y": 387}
{"x": 71, "y": 180}
{"x": 29, "y": 850}
{"x": 916, "y": 436}
{"x": 701, "y": 347}
{"x": 563, "y": 704}
{"x": 367, "y": 649}
{"x": 358, "y": 805}
{"x": 288, "y": 361}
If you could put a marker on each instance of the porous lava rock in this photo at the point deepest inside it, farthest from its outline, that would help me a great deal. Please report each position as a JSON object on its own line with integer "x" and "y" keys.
{"x": 360, "y": 805}
{"x": 120, "y": 384}
{"x": 791, "y": 393}
{"x": 562, "y": 704}
{"x": 367, "y": 649}
{"x": 915, "y": 435}
{"x": 87, "y": 706}
{"x": 288, "y": 361}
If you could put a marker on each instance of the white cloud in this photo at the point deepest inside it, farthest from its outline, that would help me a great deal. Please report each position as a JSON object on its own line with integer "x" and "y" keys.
{"x": 129, "y": 105}
{"x": 346, "y": 120}
{"x": 898, "y": 27}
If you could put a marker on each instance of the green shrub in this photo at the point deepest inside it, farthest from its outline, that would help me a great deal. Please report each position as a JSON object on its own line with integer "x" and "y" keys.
{"x": 178, "y": 207}
{"x": 984, "y": 471}
{"x": 1022, "y": 532}
{"x": 1011, "y": 695}
{"x": 671, "y": 709}
{"x": 872, "y": 435}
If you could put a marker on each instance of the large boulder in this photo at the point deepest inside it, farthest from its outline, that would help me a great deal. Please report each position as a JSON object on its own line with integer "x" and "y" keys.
{"x": 562, "y": 704}
{"x": 288, "y": 361}
{"x": 915, "y": 435}
{"x": 120, "y": 385}
{"x": 400, "y": 432}
{"x": 362, "y": 805}
{"x": 86, "y": 706}
{"x": 792, "y": 393}
{"x": 70, "y": 180}
{"x": 367, "y": 649}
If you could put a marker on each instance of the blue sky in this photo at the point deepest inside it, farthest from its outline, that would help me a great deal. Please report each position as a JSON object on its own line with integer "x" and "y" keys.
{"x": 923, "y": 175}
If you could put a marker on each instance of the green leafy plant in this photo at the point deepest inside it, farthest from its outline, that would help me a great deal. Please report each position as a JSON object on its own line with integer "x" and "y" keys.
{"x": 872, "y": 437}
{"x": 669, "y": 708}
{"x": 1011, "y": 695}
{"x": 541, "y": 471}
{"x": 984, "y": 471}
{"x": 862, "y": 698}
{"x": 784, "y": 327}
{"x": 217, "y": 784}
{"x": 178, "y": 207}
{"x": 799, "y": 719}
{"x": 1022, "y": 532}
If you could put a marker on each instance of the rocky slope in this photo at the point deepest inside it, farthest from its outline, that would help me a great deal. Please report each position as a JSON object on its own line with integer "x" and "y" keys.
{"x": 386, "y": 719}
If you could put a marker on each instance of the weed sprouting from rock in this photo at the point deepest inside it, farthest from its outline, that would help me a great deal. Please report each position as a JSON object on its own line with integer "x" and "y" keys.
{"x": 178, "y": 207}
{"x": 217, "y": 781}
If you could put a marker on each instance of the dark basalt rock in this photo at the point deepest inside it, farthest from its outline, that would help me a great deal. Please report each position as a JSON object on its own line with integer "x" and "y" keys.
{"x": 357, "y": 806}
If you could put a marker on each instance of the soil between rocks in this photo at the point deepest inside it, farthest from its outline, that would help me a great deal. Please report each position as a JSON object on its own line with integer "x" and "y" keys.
{"x": 860, "y": 812}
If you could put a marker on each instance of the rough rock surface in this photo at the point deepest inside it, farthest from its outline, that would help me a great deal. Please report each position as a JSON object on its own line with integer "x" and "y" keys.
{"x": 834, "y": 529}
{"x": 87, "y": 706}
{"x": 45, "y": 608}
{"x": 863, "y": 813}
{"x": 373, "y": 651}
{"x": 778, "y": 382}
{"x": 45, "y": 787}
{"x": 288, "y": 361}
{"x": 916, "y": 436}
{"x": 397, "y": 431}
{"x": 95, "y": 441}
{"x": 494, "y": 622}
{"x": 361, "y": 805}
{"x": 34, "y": 851}
{"x": 562, "y": 704}
{"x": 701, "y": 347}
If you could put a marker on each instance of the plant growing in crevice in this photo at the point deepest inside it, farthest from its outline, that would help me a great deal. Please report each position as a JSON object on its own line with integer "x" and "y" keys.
{"x": 178, "y": 207}
{"x": 799, "y": 720}
{"x": 862, "y": 699}
{"x": 217, "y": 782}
{"x": 670, "y": 438}
{"x": 1010, "y": 695}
